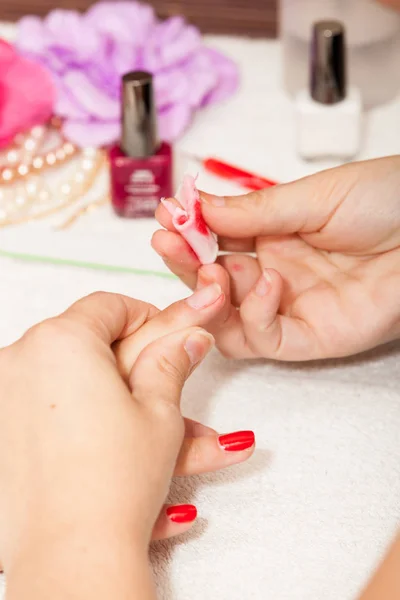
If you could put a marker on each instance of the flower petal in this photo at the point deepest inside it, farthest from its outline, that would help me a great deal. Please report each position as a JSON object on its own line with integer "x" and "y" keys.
{"x": 128, "y": 22}
{"x": 203, "y": 78}
{"x": 91, "y": 98}
{"x": 31, "y": 35}
{"x": 228, "y": 76}
{"x": 67, "y": 106}
{"x": 171, "y": 87}
{"x": 70, "y": 33}
{"x": 183, "y": 46}
{"x": 173, "y": 120}
{"x": 91, "y": 133}
{"x": 28, "y": 95}
{"x": 7, "y": 54}
{"x": 123, "y": 57}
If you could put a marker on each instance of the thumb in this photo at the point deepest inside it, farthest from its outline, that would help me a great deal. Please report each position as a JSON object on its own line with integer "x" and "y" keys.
{"x": 156, "y": 381}
{"x": 161, "y": 369}
{"x": 305, "y": 206}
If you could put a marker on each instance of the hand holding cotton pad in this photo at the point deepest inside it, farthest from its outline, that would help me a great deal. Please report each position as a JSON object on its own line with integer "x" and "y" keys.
{"x": 189, "y": 222}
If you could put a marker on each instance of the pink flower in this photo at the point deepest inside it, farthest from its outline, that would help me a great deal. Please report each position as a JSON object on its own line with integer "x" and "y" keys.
{"x": 88, "y": 53}
{"x": 27, "y": 93}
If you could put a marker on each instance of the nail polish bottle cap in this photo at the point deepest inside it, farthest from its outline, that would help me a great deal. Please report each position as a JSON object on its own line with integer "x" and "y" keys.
{"x": 328, "y": 62}
{"x": 139, "y": 120}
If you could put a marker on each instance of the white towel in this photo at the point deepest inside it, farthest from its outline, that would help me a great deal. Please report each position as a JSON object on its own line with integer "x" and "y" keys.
{"x": 309, "y": 516}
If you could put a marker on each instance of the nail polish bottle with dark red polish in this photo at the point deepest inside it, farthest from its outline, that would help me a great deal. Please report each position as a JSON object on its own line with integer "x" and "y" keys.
{"x": 141, "y": 165}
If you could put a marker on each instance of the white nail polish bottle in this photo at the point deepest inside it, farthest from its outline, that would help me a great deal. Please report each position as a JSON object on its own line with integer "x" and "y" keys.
{"x": 328, "y": 115}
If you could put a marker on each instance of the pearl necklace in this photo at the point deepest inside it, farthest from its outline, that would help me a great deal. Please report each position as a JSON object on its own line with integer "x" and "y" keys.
{"x": 23, "y": 158}
{"x": 24, "y": 195}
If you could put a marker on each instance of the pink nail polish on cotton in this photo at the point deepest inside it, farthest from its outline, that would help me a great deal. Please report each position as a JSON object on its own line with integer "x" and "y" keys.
{"x": 141, "y": 166}
{"x": 189, "y": 222}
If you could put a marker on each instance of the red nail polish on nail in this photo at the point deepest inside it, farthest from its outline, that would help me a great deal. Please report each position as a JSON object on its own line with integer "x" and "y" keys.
{"x": 235, "y": 442}
{"x": 183, "y": 513}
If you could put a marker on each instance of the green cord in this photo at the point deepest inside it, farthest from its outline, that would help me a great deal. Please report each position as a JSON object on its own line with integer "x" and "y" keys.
{"x": 83, "y": 265}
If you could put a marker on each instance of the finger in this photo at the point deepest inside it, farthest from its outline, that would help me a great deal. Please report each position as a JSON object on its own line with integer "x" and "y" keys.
{"x": 162, "y": 368}
{"x": 225, "y": 243}
{"x": 164, "y": 217}
{"x": 213, "y": 452}
{"x": 226, "y": 327}
{"x": 301, "y": 206}
{"x": 236, "y": 244}
{"x": 156, "y": 382}
{"x": 270, "y": 334}
{"x": 173, "y": 520}
{"x": 197, "y": 310}
{"x": 111, "y": 316}
{"x": 217, "y": 275}
{"x": 181, "y": 260}
{"x": 300, "y": 265}
{"x": 177, "y": 255}
{"x": 196, "y": 429}
{"x": 244, "y": 271}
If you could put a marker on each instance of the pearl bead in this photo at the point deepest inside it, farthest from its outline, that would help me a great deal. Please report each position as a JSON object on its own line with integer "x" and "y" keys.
{"x": 38, "y": 162}
{"x": 37, "y": 131}
{"x": 30, "y": 145}
{"x": 51, "y": 158}
{"x": 87, "y": 164}
{"x": 44, "y": 196}
{"x": 68, "y": 148}
{"x": 20, "y": 200}
{"x": 8, "y": 174}
{"x": 60, "y": 154}
{"x": 12, "y": 156}
{"x": 66, "y": 189}
{"x": 23, "y": 170}
{"x": 31, "y": 188}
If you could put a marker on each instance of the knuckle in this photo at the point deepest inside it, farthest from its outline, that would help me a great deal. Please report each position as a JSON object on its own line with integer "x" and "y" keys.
{"x": 53, "y": 335}
{"x": 45, "y": 331}
{"x": 99, "y": 295}
{"x": 258, "y": 198}
{"x": 172, "y": 371}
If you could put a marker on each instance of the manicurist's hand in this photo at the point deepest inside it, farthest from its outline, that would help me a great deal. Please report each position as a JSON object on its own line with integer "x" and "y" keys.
{"x": 325, "y": 277}
{"x": 90, "y": 435}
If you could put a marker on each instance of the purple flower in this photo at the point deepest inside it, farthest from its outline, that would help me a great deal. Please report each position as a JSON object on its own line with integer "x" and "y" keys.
{"x": 88, "y": 53}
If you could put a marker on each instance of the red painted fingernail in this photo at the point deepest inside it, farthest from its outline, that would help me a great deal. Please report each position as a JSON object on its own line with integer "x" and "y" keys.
{"x": 183, "y": 513}
{"x": 235, "y": 442}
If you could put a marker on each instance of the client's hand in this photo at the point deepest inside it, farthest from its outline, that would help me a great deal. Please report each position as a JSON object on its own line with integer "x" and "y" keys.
{"x": 325, "y": 279}
{"x": 90, "y": 436}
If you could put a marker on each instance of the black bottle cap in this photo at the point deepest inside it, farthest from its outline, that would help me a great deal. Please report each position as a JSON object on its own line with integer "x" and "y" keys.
{"x": 139, "y": 120}
{"x": 328, "y": 62}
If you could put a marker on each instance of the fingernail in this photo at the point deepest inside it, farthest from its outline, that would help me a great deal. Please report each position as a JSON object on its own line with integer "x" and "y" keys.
{"x": 264, "y": 284}
{"x": 214, "y": 200}
{"x": 198, "y": 345}
{"x": 237, "y": 441}
{"x": 184, "y": 513}
{"x": 205, "y": 297}
{"x": 170, "y": 206}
